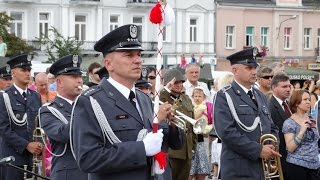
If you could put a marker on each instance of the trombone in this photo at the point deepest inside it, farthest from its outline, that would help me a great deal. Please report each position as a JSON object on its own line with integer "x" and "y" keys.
{"x": 38, "y": 161}
{"x": 200, "y": 126}
{"x": 271, "y": 167}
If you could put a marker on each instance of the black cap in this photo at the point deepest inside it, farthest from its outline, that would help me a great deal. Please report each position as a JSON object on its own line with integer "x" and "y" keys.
{"x": 124, "y": 38}
{"x": 245, "y": 57}
{"x": 102, "y": 72}
{"x": 5, "y": 72}
{"x": 143, "y": 80}
{"x": 21, "y": 61}
{"x": 67, "y": 65}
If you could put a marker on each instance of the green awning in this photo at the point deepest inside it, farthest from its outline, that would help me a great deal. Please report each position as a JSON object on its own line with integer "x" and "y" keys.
{"x": 301, "y": 74}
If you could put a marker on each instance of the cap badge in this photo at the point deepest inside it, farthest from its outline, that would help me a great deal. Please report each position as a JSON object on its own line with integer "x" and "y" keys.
{"x": 8, "y": 69}
{"x": 133, "y": 31}
{"x": 144, "y": 73}
{"x": 75, "y": 60}
{"x": 29, "y": 57}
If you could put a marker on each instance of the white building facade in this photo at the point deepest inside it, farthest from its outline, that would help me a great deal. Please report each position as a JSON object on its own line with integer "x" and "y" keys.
{"x": 89, "y": 20}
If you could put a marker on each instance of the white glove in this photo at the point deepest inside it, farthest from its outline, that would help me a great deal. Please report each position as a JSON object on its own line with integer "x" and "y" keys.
{"x": 152, "y": 142}
{"x": 157, "y": 169}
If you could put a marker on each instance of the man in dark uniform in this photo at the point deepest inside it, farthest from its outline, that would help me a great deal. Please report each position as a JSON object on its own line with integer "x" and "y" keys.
{"x": 180, "y": 160}
{"x": 5, "y": 78}
{"x": 55, "y": 118}
{"x": 111, "y": 127}
{"x": 241, "y": 123}
{"x": 142, "y": 83}
{"x": 18, "y": 110}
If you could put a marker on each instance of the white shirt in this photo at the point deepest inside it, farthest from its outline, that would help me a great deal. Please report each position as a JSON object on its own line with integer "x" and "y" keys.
{"x": 279, "y": 101}
{"x": 125, "y": 92}
{"x": 68, "y": 100}
{"x": 246, "y": 90}
{"x": 20, "y": 90}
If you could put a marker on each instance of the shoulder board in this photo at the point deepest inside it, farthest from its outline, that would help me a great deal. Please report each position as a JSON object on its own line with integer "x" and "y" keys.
{"x": 91, "y": 91}
{"x": 226, "y": 88}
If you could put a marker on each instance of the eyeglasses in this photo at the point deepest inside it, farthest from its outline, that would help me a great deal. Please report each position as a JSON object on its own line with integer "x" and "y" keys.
{"x": 151, "y": 77}
{"x": 267, "y": 77}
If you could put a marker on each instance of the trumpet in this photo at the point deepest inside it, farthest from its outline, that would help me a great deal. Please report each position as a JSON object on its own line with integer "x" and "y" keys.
{"x": 200, "y": 126}
{"x": 271, "y": 167}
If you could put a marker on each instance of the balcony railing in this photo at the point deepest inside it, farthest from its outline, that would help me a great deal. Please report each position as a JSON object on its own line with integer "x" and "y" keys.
{"x": 317, "y": 54}
{"x": 22, "y": 1}
{"x": 84, "y": 2}
{"x": 141, "y": 3}
{"x": 87, "y": 47}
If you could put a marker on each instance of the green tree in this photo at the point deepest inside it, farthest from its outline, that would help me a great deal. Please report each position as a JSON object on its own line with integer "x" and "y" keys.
{"x": 59, "y": 46}
{"x": 15, "y": 45}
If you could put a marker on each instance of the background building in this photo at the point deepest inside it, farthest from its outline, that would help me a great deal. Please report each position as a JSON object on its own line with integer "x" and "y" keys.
{"x": 290, "y": 29}
{"x": 89, "y": 20}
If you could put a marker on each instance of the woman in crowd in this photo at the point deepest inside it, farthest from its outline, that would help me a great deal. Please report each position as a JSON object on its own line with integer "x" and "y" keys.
{"x": 301, "y": 137}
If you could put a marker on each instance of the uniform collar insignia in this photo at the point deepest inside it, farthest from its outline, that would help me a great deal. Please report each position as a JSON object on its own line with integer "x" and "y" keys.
{"x": 110, "y": 94}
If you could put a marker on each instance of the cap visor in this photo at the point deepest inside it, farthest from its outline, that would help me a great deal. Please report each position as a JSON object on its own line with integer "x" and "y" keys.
{"x": 129, "y": 48}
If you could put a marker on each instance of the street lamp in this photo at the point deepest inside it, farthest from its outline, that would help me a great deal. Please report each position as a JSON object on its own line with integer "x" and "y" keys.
{"x": 292, "y": 17}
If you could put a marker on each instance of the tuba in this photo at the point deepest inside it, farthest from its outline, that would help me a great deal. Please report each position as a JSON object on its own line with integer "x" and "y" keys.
{"x": 271, "y": 167}
{"x": 38, "y": 161}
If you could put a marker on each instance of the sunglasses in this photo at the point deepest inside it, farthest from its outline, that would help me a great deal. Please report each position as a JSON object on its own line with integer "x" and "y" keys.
{"x": 267, "y": 77}
{"x": 151, "y": 77}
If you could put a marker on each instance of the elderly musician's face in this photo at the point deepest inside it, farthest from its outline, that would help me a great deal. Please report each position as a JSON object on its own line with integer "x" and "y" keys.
{"x": 244, "y": 74}
{"x": 124, "y": 66}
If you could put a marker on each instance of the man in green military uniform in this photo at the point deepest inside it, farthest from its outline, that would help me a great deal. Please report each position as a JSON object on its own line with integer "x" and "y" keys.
{"x": 180, "y": 160}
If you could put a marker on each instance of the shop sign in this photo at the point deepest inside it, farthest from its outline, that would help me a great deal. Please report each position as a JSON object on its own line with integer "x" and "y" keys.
{"x": 314, "y": 66}
{"x": 301, "y": 77}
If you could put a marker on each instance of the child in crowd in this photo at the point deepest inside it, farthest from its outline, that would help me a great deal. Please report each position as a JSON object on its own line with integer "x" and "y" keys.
{"x": 200, "y": 163}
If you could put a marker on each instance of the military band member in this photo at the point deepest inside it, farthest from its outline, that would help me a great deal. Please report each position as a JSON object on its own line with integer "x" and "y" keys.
{"x": 112, "y": 118}
{"x": 55, "y": 118}
{"x": 18, "y": 110}
{"x": 5, "y": 78}
{"x": 180, "y": 160}
{"x": 241, "y": 151}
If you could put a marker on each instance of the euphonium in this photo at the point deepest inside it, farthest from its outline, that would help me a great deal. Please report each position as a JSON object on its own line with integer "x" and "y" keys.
{"x": 38, "y": 161}
{"x": 271, "y": 167}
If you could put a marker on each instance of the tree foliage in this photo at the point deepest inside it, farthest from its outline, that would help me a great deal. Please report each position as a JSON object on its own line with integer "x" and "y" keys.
{"x": 58, "y": 46}
{"x": 15, "y": 45}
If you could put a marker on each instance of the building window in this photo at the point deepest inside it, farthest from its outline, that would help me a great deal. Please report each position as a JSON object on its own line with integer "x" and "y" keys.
{"x": 249, "y": 35}
{"x": 230, "y": 37}
{"x": 193, "y": 30}
{"x": 43, "y": 24}
{"x": 164, "y": 33}
{"x": 287, "y": 38}
{"x": 16, "y": 23}
{"x": 307, "y": 38}
{"x": 139, "y": 22}
{"x": 114, "y": 22}
{"x": 318, "y": 38}
{"x": 80, "y": 27}
{"x": 264, "y": 37}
